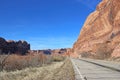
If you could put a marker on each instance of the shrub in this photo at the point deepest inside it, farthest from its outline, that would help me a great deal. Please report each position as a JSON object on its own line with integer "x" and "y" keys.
{"x": 3, "y": 59}
{"x": 18, "y": 62}
{"x": 85, "y": 54}
{"x": 103, "y": 51}
{"x": 58, "y": 58}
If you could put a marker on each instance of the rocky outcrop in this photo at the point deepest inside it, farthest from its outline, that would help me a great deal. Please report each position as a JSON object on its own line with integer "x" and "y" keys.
{"x": 101, "y": 27}
{"x": 59, "y": 51}
{"x": 22, "y": 47}
{"x": 49, "y": 51}
{"x": 10, "y": 46}
{"x": 3, "y": 44}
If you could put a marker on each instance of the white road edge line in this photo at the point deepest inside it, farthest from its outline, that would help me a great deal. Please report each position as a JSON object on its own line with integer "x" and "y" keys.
{"x": 78, "y": 70}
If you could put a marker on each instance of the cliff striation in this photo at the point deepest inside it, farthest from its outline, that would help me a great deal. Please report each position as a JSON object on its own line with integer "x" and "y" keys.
{"x": 101, "y": 31}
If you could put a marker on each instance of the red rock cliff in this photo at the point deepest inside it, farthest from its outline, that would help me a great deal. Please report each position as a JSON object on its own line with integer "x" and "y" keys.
{"x": 101, "y": 27}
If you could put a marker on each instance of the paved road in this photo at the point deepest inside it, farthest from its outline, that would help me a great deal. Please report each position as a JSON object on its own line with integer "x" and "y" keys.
{"x": 96, "y": 69}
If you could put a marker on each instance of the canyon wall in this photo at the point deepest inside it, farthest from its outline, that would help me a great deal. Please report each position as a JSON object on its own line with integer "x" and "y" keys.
{"x": 101, "y": 31}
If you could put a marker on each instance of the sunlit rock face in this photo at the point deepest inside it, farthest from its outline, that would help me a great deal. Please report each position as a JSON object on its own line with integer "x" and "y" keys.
{"x": 101, "y": 26}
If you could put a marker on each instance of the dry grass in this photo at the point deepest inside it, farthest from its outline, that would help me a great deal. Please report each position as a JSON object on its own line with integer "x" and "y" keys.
{"x": 117, "y": 59}
{"x": 58, "y": 58}
{"x": 65, "y": 72}
{"x": 17, "y": 62}
{"x": 3, "y": 59}
{"x": 56, "y": 71}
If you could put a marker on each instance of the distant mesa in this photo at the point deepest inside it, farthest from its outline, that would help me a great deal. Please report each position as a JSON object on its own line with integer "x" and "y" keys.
{"x": 11, "y": 46}
{"x": 100, "y": 35}
{"x": 61, "y": 51}
{"x": 22, "y": 47}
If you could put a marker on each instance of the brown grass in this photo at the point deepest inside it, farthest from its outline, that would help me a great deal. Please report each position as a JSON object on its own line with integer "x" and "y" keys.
{"x": 56, "y": 71}
{"x": 65, "y": 72}
{"x": 58, "y": 58}
{"x": 18, "y": 62}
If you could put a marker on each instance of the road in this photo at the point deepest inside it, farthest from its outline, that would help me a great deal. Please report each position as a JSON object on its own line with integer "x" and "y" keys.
{"x": 88, "y": 69}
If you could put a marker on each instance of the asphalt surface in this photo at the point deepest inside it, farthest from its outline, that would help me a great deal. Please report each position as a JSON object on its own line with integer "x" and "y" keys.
{"x": 89, "y": 69}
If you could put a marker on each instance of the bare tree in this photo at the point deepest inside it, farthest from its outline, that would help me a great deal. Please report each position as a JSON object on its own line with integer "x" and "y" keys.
{"x": 3, "y": 59}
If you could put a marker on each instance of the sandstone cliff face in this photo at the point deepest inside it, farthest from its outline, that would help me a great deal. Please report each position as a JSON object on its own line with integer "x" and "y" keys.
{"x": 10, "y": 46}
{"x": 101, "y": 27}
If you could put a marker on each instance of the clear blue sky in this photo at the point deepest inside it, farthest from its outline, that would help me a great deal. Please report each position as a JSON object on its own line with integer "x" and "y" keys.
{"x": 44, "y": 23}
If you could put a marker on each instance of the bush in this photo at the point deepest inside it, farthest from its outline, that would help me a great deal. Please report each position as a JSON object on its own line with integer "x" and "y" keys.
{"x": 18, "y": 62}
{"x": 85, "y": 54}
{"x": 58, "y": 58}
{"x": 103, "y": 51}
{"x": 3, "y": 61}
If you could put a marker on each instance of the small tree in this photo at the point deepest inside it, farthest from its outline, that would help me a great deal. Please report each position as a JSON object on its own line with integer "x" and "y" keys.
{"x": 3, "y": 59}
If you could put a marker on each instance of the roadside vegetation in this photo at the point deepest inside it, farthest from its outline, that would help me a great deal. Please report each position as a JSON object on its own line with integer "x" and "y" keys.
{"x": 18, "y": 62}
{"x": 35, "y": 67}
{"x": 117, "y": 59}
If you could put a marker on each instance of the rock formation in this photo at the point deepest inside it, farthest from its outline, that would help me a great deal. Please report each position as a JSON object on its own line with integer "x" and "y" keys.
{"x": 101, "y": 31}
{"x": 49, "y": 51}
{"x": 22, "y": 47}
{"x": 59, "y": 51}
{"x": 10, "y": 46}
{"x": 3, "y": 44}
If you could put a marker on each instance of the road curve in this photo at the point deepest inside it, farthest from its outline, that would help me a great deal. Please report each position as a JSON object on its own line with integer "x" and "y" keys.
{"x": 88, "y": 69}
